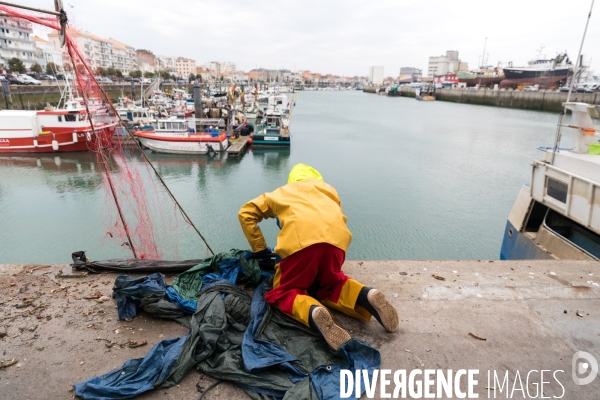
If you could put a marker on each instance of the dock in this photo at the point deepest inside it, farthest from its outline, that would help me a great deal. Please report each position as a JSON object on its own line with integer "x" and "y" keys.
{"x": 238, "y": 147}
{"x": 515, "y": 316}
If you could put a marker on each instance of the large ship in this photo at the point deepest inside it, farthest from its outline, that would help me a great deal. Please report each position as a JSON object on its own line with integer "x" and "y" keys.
{"x": 482, "y": 78}
{"x": 557, "y": 216}
{"x": 554, "y": 71}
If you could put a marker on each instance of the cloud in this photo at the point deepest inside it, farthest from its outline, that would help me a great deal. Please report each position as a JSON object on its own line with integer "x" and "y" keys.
{"x": 340, "y": 37}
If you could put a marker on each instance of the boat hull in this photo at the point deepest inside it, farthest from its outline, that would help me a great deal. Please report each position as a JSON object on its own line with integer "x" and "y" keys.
{"x": 191, "y": 145}
{"x": 425, "y": 98}
{"x": 261, "y": 140}
{"x": 515, "y": 77}
{"x": 518, "y": 246}
{"x": 60, "y": 141}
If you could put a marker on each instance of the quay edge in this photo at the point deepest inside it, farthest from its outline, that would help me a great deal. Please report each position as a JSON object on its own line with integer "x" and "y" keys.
{"x": 517, "y": 306}
{"x": 540, "y": 101}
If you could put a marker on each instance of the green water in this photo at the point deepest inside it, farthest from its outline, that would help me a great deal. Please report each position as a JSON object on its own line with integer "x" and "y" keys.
{"x": 417, "y": 180}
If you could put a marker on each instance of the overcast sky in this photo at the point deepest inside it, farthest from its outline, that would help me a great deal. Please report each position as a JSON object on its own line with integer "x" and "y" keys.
{"x": 341, "y": 36}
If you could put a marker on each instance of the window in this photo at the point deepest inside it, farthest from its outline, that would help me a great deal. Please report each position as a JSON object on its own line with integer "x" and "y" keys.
{"x": 60, "y": 118}
{"x": 557, "y": 189}
{"x": 82, "y": 117}
{"x": 70, "y": 118}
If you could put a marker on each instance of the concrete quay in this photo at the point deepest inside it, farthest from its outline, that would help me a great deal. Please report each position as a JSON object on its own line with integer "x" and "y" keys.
{"x": 541, "y": 100}
{"x": 533, "y": 315}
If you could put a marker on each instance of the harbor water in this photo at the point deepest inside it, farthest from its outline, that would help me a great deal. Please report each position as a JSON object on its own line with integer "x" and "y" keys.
{"x": 417, "y": 180}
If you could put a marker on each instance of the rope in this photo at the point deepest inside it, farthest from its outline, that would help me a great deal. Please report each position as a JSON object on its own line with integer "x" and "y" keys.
{"x": 186, "y": 218}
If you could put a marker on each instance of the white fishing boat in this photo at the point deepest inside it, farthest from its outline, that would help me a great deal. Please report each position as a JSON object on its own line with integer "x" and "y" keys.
{"x": 180, "y": 136}
{"x": 557, "y": 216}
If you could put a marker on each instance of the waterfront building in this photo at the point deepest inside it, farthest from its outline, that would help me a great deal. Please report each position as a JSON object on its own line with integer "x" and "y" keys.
{"x": 410, "y": 74}
{"x": 100, "y": 52}
{"x": 16, "y": 40}
{"x": 123, "y": 56}
{"x": 146, "y": 60}
{"x": 184, "y": 67}
{"x": 47, "y": 52}
{"x": 166, "y": 63}
{"x": 376, "y": 75}
{"x": 441, "y": 65}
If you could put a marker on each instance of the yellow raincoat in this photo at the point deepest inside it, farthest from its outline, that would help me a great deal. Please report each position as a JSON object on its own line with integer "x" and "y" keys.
{"x": 309, "y": 212}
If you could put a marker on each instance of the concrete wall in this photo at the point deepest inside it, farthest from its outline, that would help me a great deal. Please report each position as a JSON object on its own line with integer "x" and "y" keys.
{"x": 36, "y": 97}
{"x": 543, "y": 101}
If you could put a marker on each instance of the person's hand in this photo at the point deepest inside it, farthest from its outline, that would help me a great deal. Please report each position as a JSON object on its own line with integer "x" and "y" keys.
{"x": 259, "y": 254}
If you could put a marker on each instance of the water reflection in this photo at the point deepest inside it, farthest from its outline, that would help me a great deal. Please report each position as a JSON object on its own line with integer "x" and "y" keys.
{"x": 272, "y": 159}
{"x": 63, "y": 173}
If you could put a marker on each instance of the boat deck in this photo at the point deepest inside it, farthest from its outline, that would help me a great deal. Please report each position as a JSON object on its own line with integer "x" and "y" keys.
{"x": 533, "y": 314}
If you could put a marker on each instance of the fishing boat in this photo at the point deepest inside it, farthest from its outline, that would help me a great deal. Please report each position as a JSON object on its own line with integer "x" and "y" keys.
{"x": 425, "y": 93}
{"x": 56, "y": 129}
{"x": 557, "y": 216}
{"x": 273, "y": 130}
{"x": 181, "y": 136}
{"x": 539, "y": 72}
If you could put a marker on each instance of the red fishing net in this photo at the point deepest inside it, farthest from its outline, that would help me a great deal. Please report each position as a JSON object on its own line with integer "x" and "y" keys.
{"x": 135, "y": 213}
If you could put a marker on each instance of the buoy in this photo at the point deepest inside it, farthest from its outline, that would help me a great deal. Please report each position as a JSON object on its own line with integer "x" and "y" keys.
{"x": 54, "y": 145}
{"x": 249, "y": 140}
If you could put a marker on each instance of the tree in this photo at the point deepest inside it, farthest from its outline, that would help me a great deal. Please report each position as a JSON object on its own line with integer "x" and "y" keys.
{"x": 35, "y": 67}
{"x": 100, "y": 71}
{"x": 199, "y": 77}
{"x": 191, "y": 77}
{"x": 118, "y": 73}
{"x": 148, "y": 74}
{"x": 165, "y": 75}
{"x": 135, "y": 74}
{"x": 111, "y": 71}
{"x": 16, "y": 65}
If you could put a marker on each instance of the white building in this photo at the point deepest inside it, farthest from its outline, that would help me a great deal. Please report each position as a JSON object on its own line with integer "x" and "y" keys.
{"x": 16, "y": 40}
{"x": 166, "y": 63}
{"x": 228, "y": 67}
{"x": 443, "y": 65}
{"x": 47, "y": 52}
{"x": 376, "y": 75}
{"x": 184, "y": 67}
{"x": 100, "y": 52}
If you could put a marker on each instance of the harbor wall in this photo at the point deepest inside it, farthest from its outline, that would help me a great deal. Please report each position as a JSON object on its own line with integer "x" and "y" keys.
{"x": 542, "y": 100}
{"x": 36, "y": 97}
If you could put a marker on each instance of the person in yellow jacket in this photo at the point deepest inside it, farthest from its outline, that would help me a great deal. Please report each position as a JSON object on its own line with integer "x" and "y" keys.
{"x": 312, "y": 243}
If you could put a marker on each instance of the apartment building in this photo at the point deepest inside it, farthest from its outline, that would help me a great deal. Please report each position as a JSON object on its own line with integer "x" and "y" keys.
{"x": 185, "y": 66}
{"x": 166, "y": 63}
{"x": 47, "y": 52}
{"x": 16, "y": 40}
{"x": 100, "y": 52}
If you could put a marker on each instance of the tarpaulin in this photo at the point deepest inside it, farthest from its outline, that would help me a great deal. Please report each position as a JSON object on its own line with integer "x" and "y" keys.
{"x": 232, "y": 337}
{"x": 231, "y": 266}
{"x": 135, "y": 376}
{"x": 81, "y": 262}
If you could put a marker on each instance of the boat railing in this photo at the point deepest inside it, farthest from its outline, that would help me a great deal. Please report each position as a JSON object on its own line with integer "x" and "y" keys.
{"x": 572, "y": 195}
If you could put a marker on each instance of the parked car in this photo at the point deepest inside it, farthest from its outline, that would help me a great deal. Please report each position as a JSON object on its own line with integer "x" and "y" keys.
{"x": 563, "y": 89}
{"x": 146, "y": 81}
{"x": 530, "y": 89}
{"x": 180, "y": 81}
{"x": 168, "y": 81}
{"x": 29, "y": 80}
{"x": 584, "y": 89}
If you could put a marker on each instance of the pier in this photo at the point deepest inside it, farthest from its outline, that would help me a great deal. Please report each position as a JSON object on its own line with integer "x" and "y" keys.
{"x": 524, "y": 315}
{"x": 238, "y": 147}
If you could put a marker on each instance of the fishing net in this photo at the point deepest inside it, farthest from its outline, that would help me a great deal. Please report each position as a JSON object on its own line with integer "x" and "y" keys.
{"x": 137, "y": 212}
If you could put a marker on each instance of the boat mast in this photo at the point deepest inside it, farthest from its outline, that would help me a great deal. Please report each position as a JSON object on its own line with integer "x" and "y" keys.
{"x": 559, "y": 131}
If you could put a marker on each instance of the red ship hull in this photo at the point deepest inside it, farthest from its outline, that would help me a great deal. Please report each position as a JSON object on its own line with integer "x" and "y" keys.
{"x": 60, "y": 140}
